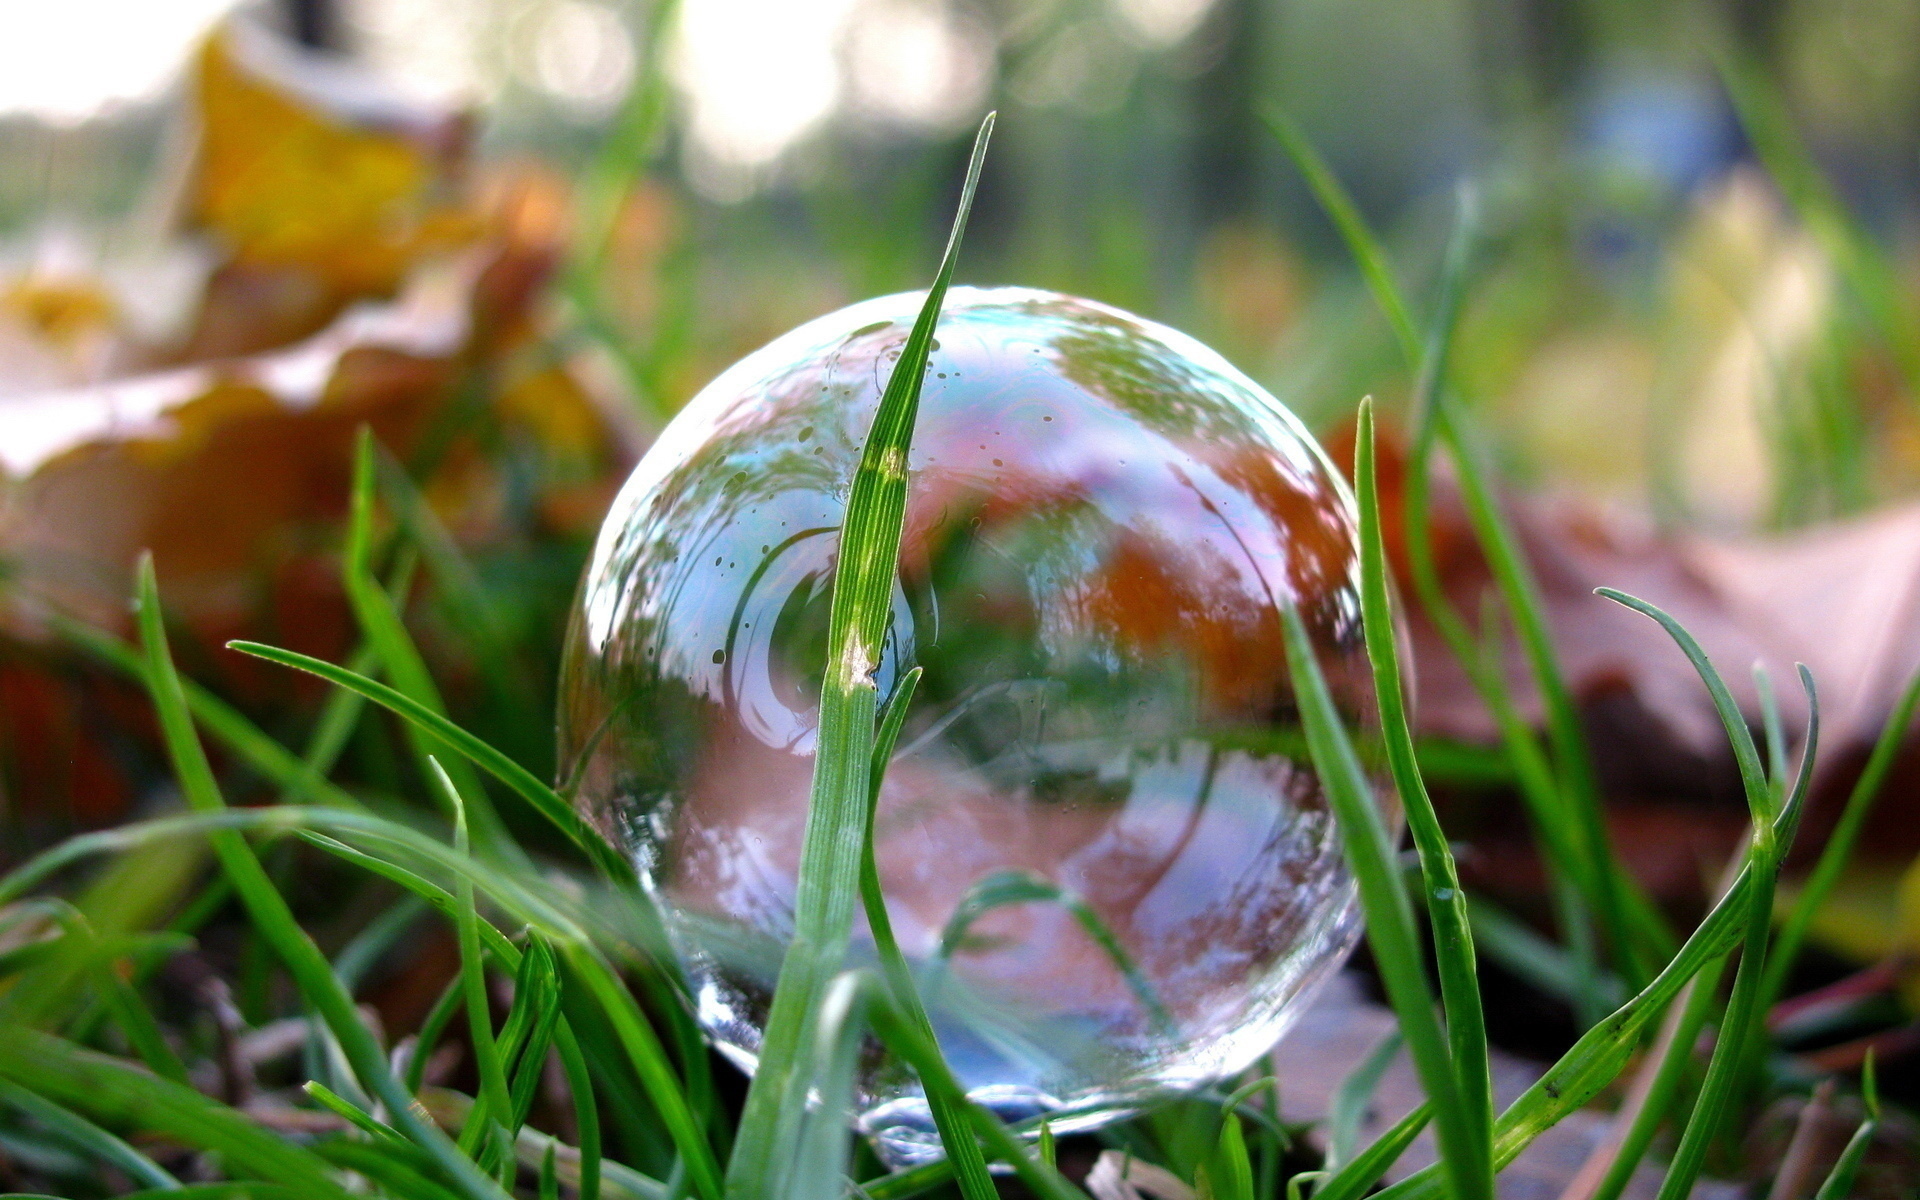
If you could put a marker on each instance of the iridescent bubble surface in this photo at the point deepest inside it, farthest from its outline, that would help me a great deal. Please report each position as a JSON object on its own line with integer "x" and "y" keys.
{"x": 1102, "y": 847}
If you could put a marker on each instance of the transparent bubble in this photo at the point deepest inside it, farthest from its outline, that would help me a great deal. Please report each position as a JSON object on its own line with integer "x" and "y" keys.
{"x": 1102, "y": 847}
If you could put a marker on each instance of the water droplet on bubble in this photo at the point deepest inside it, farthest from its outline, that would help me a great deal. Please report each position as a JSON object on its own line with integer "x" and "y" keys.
{"x": 1105, "y": 713}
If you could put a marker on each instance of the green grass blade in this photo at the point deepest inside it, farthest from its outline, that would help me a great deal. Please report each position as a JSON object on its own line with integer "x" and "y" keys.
{"x": 1464, "y": 1152}
{"x": 494, "y": 1092}
{"x": 348, "y": 1111}
{"x": 387, "y": 635}
{"x": 522, "y": 781}
{"x": 1232, "y": 1168}
{"x": 1357, "y": 1178}
{"x": 116, "y": 1093}
{"x": 311, "y": 972}
{"x": 1753, "y": 776}
{"x": 828, "y": 884}
{"x": 83, "y": 1135}
{"x": 1698, "y": 1002}
{"x": 1348, "y": 1112}
{"x": 1586, "y": 853}
{"x": 1446, "y": 900}
{"x": 650, "y": 1063}
{"x": 923, "y": 1056}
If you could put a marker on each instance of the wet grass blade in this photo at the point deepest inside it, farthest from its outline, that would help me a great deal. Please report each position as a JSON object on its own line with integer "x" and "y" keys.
{"x": 311, "y": 971}
{"x": 1464, "y": 1153}
{"x": 828, "y": 885}
{"x": 1446, "y": 900}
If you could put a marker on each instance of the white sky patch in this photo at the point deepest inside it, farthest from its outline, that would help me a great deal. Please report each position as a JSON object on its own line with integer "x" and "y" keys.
{"x": 918, "y": 64}
{"x": 68, "y": 60}
{"x": 581, "y": 53}
{"x": 1163, "y": 22}
{"x": 758, "y": 75}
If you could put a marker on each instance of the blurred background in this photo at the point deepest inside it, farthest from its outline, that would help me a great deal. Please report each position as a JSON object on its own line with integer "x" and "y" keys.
{"x": 514, "y": 236}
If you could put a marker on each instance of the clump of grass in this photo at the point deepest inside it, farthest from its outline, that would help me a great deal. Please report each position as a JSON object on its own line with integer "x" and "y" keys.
{"x": 597, "y": 1037}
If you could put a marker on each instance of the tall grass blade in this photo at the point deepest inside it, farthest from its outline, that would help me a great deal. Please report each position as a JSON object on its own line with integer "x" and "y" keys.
{"x": 1582, "y": 850}
{"x": 1464, "y": 1152}
{"x": 829, "y": 875}
{"x": 1446, "y": 900}
{"x": 311, "y": 972}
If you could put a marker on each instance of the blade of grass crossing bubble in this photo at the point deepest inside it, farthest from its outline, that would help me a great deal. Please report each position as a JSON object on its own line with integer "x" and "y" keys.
{"x": 923, "y": 1056}
{"x": 1604, "y": 878}
{"x": 1839, "y": 1181}
{"x": 1446, "y": 900}
{"x": 963, "y": 1149}
{"x": 311, "y": 972}
{"x": 1840, "y": 843}
{"x": 86, "y": 1137}
{"x": 1389, "y": 917}
{"x": 828, "y": 884}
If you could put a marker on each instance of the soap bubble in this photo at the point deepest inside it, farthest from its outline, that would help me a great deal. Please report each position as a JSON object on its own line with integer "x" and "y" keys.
{"x": 1103, "y": 848}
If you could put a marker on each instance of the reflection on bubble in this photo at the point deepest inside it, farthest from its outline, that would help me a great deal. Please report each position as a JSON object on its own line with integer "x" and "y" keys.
{"x": 1102, "y": 846}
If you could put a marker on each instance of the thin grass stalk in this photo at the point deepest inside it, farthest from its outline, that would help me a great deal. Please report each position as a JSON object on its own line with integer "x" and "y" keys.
{"x": 473, "y": 979}
{"x": 1464, "y": 1153}
{"x": 1600, "y": 1053}
{"x": 1446, "y": 900}
{"x": 1354, "y": 1098}
{"x": 311, "y": 972}
{"x": 1589, "y": 856}
{"x": 828, "y": 884}
{"x": 381, "y": 624}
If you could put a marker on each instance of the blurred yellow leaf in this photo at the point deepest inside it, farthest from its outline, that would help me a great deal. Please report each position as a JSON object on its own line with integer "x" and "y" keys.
{"x": 283, "y": 182}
